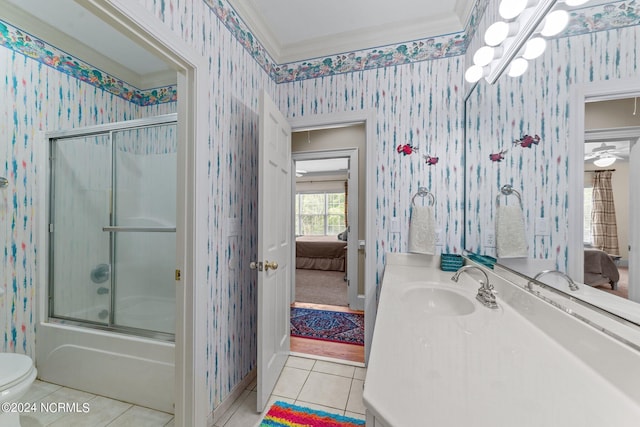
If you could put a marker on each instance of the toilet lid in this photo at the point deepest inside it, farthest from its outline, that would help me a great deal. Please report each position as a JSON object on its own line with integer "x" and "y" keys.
{"x": 13, "y": 368}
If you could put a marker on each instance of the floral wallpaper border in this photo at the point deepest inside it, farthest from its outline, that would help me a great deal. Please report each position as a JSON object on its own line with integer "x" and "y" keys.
{"x": 600, "y": 17}
{"x": 19, "y": 41}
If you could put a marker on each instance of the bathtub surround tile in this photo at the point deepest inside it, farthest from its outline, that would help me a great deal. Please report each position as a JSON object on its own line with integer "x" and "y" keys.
{"x": 326, "y": 389}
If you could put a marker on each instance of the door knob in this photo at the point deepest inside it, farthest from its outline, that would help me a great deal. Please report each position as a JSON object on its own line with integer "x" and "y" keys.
{"x": 270, "y": 265}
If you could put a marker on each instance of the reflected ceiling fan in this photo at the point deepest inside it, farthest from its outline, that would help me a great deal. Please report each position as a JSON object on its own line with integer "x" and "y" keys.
{"x": 603, "y": 155}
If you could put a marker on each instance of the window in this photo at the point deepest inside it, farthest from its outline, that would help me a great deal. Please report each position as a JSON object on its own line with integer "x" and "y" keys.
{"x": 588, "y": 207}
{"x": 319, "y": 213}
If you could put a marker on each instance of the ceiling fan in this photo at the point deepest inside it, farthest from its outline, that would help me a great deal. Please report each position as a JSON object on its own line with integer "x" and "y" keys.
{"x": 603, "y": 155}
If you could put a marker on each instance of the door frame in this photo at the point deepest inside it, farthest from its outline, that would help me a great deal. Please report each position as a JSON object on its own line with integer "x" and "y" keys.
{"x": 142, "y": 27}
{"x": 367, "y": 117}
{"x": 580, "y": 95}
{"x": 356, "y": 302}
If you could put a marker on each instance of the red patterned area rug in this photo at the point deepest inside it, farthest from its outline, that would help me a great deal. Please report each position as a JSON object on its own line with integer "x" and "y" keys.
{"x": 327, "y": 325}
{"x": 283, "y": 414}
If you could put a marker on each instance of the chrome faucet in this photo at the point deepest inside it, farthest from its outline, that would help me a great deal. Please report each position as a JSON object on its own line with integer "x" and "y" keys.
{"x": 572, "y": 284}
{"x": 485, "y": 292}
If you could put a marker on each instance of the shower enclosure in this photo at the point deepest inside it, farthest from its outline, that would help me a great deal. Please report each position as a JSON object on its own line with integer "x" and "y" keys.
{"x": 112, "y": 229}
{"x": 108, "y": 320}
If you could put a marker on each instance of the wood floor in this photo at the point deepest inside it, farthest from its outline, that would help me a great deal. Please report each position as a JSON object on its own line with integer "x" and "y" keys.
{"x": 350, "y": 352}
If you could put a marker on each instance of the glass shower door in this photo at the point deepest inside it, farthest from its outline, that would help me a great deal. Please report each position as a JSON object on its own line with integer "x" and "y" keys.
{"x": 80, "y": 251}
{"x": 143, "y": 228}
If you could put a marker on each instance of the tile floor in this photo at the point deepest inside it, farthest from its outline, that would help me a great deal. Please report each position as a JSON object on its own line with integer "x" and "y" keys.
{"x": 102, "y": 411}
{"x": 316, "y": 384}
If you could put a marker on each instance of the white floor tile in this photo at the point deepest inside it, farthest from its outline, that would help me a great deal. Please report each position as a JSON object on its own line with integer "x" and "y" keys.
{"x": 317, "y": 407}
{"x": 355, "y": 397}
{"x": 101, "y": 411}
{"x": 334, "y": 368}
{"x": 354, "y": 415}
{"x": 360, "y": 373}
{"x": 137, "y": 416}
{"x": 232, "y": 409}
{"x": 49, "y": 414}
{"x": 300, "y": 362}
{"x": 290, "y": 382}
{"x": 38, "y": 390}
{"x": 326, "y": 389}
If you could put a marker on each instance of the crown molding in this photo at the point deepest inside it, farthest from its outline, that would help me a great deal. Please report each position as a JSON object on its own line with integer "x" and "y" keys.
{"x": 44, "y": 31}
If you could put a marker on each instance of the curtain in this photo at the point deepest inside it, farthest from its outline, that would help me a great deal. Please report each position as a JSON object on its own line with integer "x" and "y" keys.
{"x": 603, "y": 216}
{"x": 346, "y": 208}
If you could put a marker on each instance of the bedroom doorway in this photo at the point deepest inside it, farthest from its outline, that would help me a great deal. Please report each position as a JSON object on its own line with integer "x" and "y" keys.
{"x": 327, "y": 317}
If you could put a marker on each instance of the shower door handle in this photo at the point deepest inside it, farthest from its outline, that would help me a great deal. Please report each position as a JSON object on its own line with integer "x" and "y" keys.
{"x": 122, "y": 229}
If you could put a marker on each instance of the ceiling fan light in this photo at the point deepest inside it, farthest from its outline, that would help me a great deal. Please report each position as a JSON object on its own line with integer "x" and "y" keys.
{"x": 555, "y": 23}
{"x": 603, "y": 162}
{"x": 534, "y": 48}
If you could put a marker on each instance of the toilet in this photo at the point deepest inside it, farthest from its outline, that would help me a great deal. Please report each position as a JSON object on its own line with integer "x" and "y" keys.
{"x": 17, "y": 373}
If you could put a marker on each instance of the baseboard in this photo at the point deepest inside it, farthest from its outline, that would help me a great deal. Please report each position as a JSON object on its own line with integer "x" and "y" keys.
{"x": 237, "y": 391}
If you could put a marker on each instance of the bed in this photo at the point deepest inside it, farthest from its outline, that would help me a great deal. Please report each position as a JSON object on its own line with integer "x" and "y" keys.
{"x": 321, "y": 253}
{"x": 600, "y": 268}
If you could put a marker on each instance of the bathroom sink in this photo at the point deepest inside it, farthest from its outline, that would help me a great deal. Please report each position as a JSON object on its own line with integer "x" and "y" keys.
{"x": 437, "y": 301}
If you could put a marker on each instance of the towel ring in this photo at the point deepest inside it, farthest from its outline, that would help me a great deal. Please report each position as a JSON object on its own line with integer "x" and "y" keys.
{"x": 423, "y": 192}
{"x": 508, "y": 190}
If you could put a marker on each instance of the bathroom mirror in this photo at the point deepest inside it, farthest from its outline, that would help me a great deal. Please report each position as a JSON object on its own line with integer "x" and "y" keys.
{"x": 533, "y": 134}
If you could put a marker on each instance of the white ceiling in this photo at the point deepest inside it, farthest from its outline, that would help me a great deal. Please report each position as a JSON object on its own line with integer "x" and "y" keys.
{"x": 290, "y": 30}
{"x": 294, "y": 30}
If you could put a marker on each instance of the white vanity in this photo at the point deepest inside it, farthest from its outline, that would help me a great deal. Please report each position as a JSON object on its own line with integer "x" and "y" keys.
{"x": 441, "y": 358}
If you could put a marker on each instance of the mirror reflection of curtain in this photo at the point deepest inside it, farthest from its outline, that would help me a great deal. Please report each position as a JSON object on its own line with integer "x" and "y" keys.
{"x": 603, "y": 216}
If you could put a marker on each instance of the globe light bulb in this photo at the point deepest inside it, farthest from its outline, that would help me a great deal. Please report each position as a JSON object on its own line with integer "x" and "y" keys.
{"x": 474, "y": 73}
{"x": 534, "y": 48}
{"x": 499, "y": 31}
{"x": 510, "y": 9}
{"x": 518, "y": 67}
{"x": 555, "y": 22}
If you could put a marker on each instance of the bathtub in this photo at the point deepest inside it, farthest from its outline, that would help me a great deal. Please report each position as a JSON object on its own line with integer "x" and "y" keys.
{"x": 124, "y": 367}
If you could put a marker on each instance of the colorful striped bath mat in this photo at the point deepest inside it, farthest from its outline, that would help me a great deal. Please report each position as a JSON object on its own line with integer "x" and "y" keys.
{"x": 337, "y": 326}
{"x": 283, "y": 414}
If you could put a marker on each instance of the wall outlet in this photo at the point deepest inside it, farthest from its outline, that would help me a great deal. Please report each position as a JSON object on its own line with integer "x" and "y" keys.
{"x": 233, "y": 225}
{"x": 490, "y": 240}
{"x": 395, "y": 225}
{"x": 542, "y": 227}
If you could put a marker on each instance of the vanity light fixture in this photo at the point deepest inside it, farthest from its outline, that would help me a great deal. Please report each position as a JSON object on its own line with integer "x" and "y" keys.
{"x": 511, "y": 43}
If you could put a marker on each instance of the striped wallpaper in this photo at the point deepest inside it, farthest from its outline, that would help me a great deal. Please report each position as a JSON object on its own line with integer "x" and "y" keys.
{"x": 418, "y": 103}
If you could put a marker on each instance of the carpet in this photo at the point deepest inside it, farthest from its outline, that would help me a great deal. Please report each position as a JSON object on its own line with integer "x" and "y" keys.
{"x": 283, "y": 414}
{"x": 327, "y": 325}
{"x": 321, "y": 287}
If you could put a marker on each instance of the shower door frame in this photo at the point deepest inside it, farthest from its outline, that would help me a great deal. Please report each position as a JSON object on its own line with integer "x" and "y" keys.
{"x": 96, "y": 130}
{"x": 192, "y": 407}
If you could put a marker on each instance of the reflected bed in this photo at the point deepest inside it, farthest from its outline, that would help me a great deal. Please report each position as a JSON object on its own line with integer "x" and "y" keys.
{"x": 321, "y": 253}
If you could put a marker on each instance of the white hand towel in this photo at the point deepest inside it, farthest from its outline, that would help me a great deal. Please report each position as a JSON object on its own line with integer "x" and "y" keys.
{"x": 510, "y": 233}
{"x": 422, "y": 235}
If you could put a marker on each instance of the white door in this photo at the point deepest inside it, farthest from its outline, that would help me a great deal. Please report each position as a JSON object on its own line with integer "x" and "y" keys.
{"x": 274, "y": 246}
{"x": 634, "y": 228}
